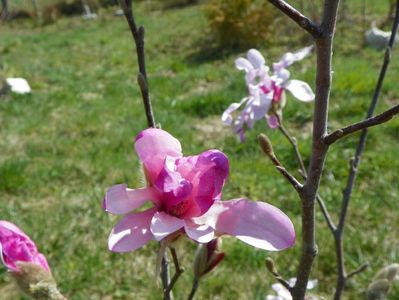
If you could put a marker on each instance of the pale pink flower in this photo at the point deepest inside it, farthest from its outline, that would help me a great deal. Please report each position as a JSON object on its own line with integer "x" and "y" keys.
{"x": 185, "y": 193}
{"x": 16, "y": 246}
{"x": 265, "y": 89}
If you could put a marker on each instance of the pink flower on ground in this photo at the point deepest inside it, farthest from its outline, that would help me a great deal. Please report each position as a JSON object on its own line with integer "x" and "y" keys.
{"x": 266, "y": 92}
{"x": 16, "y": 246}
{"x": 185, "y": 193}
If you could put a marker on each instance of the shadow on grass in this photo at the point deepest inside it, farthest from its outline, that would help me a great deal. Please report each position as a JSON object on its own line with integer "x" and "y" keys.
{"x": 209, "y": 51}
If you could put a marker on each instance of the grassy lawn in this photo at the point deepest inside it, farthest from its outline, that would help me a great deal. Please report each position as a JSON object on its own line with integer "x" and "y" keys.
{"x": 64, "y": 144}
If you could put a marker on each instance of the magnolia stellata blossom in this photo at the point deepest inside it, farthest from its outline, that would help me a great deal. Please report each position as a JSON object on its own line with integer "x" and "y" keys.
{"x": 186, "y": 196}
{"x": 16, "y": 246}
{"x": 266, "y": 92}
{"x": 283, "y": 294}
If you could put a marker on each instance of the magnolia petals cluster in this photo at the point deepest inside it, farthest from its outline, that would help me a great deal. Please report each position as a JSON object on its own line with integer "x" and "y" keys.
{"x": 265, "y": 90}
{"x": 16, "y": 246}
{"x": 185, "y": 198}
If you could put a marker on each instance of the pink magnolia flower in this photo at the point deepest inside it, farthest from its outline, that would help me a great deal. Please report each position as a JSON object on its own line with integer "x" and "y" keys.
{"x": 266, "y": 92}
{"x": 185, "y": 193}
{"x": 16, "y": 246}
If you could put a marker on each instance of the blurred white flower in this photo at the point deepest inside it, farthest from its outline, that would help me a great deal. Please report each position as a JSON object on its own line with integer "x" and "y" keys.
{"x": 283, "y": 294}
{"x": 18, "y": 85}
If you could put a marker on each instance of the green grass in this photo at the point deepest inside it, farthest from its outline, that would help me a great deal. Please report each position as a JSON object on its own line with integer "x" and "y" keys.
{"x": 62, "y": 146}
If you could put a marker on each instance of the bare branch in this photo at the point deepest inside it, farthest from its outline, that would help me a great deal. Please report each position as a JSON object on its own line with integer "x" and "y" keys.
{"x": 271, "y": 267}
{"x": 138, "y": 36}
{"x": 373, "y": 121}
{"x": 297, "y": 17}
{"x": 361, "y": 269}
{"x": 326, "y": 214}
{"x": 178, "y": 271}
{"x": 267, "y": 148}
{"x": 347, "y": 192}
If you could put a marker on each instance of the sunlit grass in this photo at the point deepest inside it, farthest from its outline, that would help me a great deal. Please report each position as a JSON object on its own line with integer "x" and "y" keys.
{"x": 63, "y": 145}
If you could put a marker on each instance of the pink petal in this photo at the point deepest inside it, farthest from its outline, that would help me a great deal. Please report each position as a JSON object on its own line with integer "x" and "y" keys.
{"x": 152, "y": 146}
{"x": 209, "y": 172}
{"x": 300, "y": 90}
{"x": 243, "y": 64}
{"x": 199, "y": 233}
{"x": 132, "y": 232}
{"x": 227, "y": 118}
{"x": 289, "y": 58}
{"x": 11, "y": 228}
{"x": 256, "y": 223}
{"x": 121, "y": 200}
{"x": 163, "y": 225}
{"x": 272, "y": 121}
{"x": 256, "y": 58}
{"x": 43, "y": 262}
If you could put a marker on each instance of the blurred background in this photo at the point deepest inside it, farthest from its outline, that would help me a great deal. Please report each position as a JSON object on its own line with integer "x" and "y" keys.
{"x": 69, "y": 139}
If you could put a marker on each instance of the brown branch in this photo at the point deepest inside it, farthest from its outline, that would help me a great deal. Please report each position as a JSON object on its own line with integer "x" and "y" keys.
{"x": 297, "y": 17}
{"x": 292, "y": 140}
{"x": 373, "y": 121}
{"x": 267, "y": 148}
{"x": 178, "y": 271}
{"x": 347, "y": 192}
{"x": 361, "y": 269}
{"x": 138, "y": 36}
{"x": 309, "y": 191}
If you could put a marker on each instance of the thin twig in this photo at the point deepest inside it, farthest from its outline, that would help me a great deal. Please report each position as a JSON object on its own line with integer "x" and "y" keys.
{"x": 271, "y": 267}
{"x": 193, "y": 289}
{"x": 347, "y": 192}
{"x": 373, "y": 121}
{"x": 267, "y": 148}
{"x": 292, "y": 140}
{"x": 138, "y": 36}
{"x": 178, "y": 271}
{"x": 165, "y": 278}
{"x": 297, "y": 17}
{"x": 291, "y": 179}
{"x": 361, "y": 269}
{"x": 294, "y": 144}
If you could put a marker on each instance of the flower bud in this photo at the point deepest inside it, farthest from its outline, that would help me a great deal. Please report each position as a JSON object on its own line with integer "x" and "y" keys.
{"x": 207, "y": 258}
{"x": 266, "y": 145}
{"x": 378, "y": 289}
{"x": 26, "y": 265}
{"x": 389, "y": 272}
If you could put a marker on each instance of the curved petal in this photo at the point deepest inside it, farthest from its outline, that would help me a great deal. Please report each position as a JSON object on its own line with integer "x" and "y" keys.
{"x": 255, "y": 58}
{"x": 7, "y": 228}
{"x": 300, "y": 90}
{"x": 256, "y": 223}
{"x": 243, "y": 64}
{"x": 200, "y": 233}
{"x": 152, "y": 146}
{"x": 272, "y": 121}
{"x": 227, "y": 118}
{"x": 43, "y": 262}
{"x": 262, "y": 106}
{"x": 120, "y": 200}
{"x": 132, "y": 232}
{"x": 163, "y": 225}
{"x": 289, "y": 58}
{"x": 208, "y": 173}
